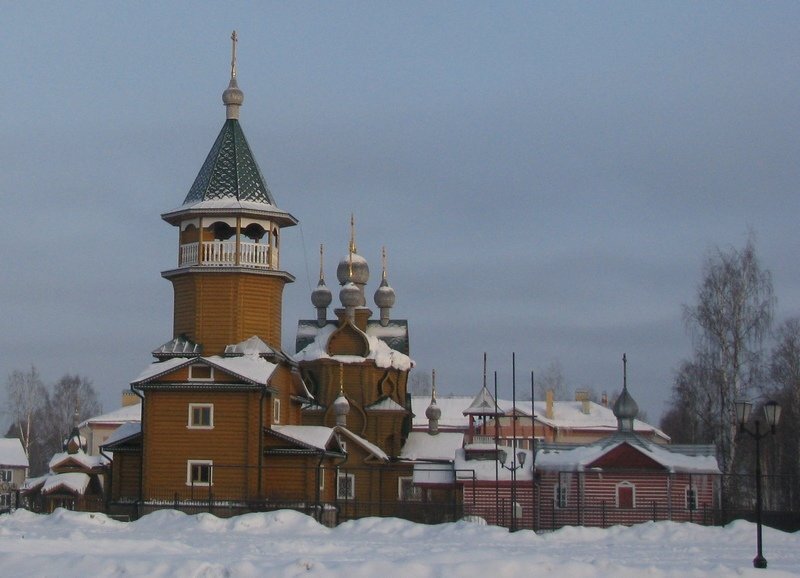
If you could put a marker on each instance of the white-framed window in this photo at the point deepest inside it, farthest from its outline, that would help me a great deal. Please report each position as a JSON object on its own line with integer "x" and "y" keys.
{"x": 626, "y": 496}
{"x": 407, "y": 491}
{"x": 276, "y": 410}
{"x": 200, "y": 372}
{"x": 560, "y": 493}
{"x": 345, "y": 486}
{"x": 6, "y": 475}
{"x": 199, "y": 473}
{"x": 691, "y": 498}
{"x": 201, "y": 416}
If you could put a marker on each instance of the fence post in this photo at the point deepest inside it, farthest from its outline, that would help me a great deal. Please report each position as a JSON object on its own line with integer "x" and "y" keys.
{"x": 655, "y": 512}
{"x": 603, "y": 510}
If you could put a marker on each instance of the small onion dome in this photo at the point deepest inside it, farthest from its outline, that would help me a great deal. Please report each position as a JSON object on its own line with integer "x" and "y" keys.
{"x": 625, "y": 407}
{"x": 384, "y": 296}
{"x": 350, "y": 296}
{"x": 233, "y": 95}
{"x": 433, "y": 412}
{"x": 360, "y": 273}
{"x": 341, "y": 406}
{"x": 321, "y": 297}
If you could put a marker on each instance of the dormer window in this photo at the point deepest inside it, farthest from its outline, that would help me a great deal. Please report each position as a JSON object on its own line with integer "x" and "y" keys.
{"x": 199, "y": 372}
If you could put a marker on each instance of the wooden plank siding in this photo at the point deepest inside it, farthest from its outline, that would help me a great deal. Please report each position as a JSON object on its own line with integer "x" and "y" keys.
{"x": 232, "y": 444}
{"x": 219, "y": 309}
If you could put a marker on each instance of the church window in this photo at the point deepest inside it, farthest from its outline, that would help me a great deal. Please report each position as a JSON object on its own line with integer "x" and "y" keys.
{"x": 346, "y": 486}
{"x": 201, "y": 415}
{"x": 200, "y": 372}
{"x": 199, "y": 472}
{"x": 276, "y": 411}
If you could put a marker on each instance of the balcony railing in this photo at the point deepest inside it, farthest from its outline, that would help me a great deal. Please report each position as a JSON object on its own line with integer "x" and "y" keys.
{"x": 221, "y": 253}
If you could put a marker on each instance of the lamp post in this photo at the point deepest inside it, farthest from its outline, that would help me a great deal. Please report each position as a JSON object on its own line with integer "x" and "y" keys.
{"x": 772, "y": 414}
{"x": 517, "y": 462}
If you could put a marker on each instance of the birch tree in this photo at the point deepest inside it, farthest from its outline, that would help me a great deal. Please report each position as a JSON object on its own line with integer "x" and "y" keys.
{"x": 26, "y": 395}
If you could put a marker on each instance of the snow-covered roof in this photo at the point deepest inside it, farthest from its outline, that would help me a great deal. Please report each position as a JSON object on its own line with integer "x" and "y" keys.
{"x": 566, "y": 414}
{"x": 488, "y": 469}
{"x": 424, "y": 446}
{"x": 251, "y": 367}
{"x": 125, "y": 414}
{"x": 386, "y": 404}
{"x": 124, "y": 431}
{"x": 75, "y": 482}
{"x": 482, "y": 404}
{"x": 379, "y": 351}
{"x": 89, "y": 462}
{"x": 577, "y": 458}
{"x": 367, "y": 445}
{"x": 12, "y": 454}
{"x": 313, "y": 436}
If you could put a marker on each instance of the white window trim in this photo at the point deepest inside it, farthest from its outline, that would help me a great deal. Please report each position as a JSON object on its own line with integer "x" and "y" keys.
{"x": 6, "y": 473}
{"x": 352, "y": 493}
{"x": 209, "y": 463}
{"x": 692, "y": 489}
{"x": 415, "y": 493}
{"x": 276, "y": 410}
{"x": 192, "y": 407}
{"x": 626, "y": 484}
{"x": 193, "y": 378}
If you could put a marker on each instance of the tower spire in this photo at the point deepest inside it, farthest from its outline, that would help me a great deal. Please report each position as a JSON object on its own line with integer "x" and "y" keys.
{"x": 353, "y": 234}
{"x": 233, "y": 97}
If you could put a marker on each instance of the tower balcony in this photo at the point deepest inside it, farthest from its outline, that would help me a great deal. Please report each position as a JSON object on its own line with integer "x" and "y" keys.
{"x": 224, "y": 254}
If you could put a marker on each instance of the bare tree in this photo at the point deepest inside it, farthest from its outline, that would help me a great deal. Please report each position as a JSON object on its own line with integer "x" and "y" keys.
{"x": 785, "y": 389}
{"x": 552, "y": 377}
{"x": 26, "y": 394}
{"x": 72, "y": 401}
{"x": 729, "y": 323}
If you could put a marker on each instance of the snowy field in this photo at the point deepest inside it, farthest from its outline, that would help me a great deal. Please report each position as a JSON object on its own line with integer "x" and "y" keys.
{"x": 278, "y": 544}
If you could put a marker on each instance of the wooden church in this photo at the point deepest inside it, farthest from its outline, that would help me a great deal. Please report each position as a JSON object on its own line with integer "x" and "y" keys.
{"x": 230, "y": 422}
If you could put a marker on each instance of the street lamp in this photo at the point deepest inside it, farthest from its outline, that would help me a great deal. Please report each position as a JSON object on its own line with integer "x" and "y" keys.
{"x": 516, "y": 463}
{"x": 772, "y": 414}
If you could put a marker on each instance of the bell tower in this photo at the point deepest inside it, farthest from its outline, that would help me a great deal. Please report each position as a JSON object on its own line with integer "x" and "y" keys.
{"x": 228, "y": 285}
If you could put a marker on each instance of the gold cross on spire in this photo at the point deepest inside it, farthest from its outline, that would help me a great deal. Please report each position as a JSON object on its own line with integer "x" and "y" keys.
{"x": 383, "y": 262}
{"x": 353, "y": 234}
{"x": 234, "y": 40}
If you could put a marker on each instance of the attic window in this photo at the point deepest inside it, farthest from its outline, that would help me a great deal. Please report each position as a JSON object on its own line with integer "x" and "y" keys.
{"x": 199, "y": 372}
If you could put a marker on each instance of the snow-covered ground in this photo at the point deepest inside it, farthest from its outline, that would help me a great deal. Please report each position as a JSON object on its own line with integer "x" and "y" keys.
{"x": 286, "y": 543}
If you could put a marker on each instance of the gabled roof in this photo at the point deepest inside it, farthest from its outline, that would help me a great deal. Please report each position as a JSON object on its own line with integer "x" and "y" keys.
{"x": 483, "y": 404}
{"x": 395, "y": 334}
{"x": 371, "y": 448}
{"x": 123, "y": 435}
{"x": 385, "y": 403}
{"x": 78, "y": 460}
{"x": 309, "y": 437}
{"x": 678, "y": 459}
{"x": 423, "y": 446}
{"x": 12, "y": 453}
{"x": 72, "y": 482}
{"x": 125, "y": 414}
{"x": 252, "y": 369}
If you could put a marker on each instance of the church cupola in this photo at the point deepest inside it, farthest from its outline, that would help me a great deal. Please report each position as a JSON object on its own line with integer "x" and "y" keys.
{"x": 433, "y": 412}
{"x": 625, "y": 408}
{"x": 228, "y": 284}
{"x": 321, "y": 297}
{"x": 353, "y": 268}
{"x": 384, "y": 296}
{"x": 341, "y": 407}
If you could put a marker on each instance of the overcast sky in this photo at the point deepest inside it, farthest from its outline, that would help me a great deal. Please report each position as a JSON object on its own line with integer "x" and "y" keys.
{"x": 548, "y": 178}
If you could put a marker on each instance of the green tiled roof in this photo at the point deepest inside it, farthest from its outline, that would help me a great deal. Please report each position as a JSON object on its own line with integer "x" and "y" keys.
{"x": 230, "y": 171}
